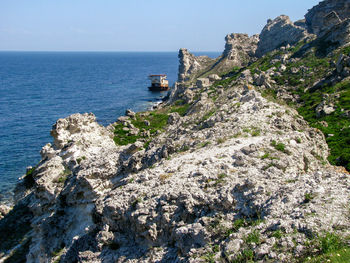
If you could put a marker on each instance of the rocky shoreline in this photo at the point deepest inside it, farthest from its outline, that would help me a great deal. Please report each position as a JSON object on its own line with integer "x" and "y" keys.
{"x": 224, "y": 170}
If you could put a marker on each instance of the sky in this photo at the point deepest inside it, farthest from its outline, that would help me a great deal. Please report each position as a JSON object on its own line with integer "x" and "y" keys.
{"x": 135, "y": 25}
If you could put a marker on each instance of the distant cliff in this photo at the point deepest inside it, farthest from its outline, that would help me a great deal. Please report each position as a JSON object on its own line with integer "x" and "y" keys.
{"x": 236, "y": 166}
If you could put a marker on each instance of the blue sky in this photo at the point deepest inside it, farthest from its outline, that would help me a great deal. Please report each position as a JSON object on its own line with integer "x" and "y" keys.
{"x": 135, "y": 25}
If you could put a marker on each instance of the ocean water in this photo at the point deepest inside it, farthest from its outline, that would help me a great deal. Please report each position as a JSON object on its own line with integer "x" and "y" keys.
{"x": 37, "y": 88}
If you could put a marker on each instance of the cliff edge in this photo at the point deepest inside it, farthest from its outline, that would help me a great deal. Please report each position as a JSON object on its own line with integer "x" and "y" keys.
{"x": 236, "y": 166}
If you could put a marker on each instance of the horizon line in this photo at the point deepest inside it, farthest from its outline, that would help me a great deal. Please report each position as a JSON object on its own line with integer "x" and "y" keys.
{"x": 97, "y": 51}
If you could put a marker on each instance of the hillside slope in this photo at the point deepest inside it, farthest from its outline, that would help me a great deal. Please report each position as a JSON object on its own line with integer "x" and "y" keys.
{"x": 231, "y": 168}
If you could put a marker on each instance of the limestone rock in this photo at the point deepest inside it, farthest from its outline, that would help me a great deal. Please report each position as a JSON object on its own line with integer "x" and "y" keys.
{"x": 130, "y": 113}
{"x": 327, "y": 14}
{"x": 324, "y": 109}
{"x": 189, "y": 65}
{"x": 239, "y": 49}
{"x": 213, "y": 77}
{"x": 202, "y": 82}
{"x": 4, "y": 209}
{"x": 337, "y": 35}
{"x": 278, "y": 32}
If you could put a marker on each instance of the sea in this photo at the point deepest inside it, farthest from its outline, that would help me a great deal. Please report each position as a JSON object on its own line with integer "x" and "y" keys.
{"x": 37, "y": 88}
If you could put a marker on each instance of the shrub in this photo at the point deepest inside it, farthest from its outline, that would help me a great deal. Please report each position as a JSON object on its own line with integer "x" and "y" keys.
{"x": 253, "y": 237}
{"x": 278, "y": 146}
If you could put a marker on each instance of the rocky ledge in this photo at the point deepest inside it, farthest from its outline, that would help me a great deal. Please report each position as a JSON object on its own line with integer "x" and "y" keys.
{"x": 220, "y": 172}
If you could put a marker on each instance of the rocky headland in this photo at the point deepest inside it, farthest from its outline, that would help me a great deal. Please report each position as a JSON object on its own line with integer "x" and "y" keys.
{"x": 237, "y": 165}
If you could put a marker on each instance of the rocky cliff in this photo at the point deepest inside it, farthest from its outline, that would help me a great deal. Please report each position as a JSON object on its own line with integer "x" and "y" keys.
{"x": 279, "y": 32}
{"x": 190, "y": 65}
{"x": 326, "y": 14}
{"x": 229, "y": 169}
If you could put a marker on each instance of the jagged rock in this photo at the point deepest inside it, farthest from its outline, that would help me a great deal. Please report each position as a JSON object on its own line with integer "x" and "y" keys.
{"x": 301, "y": 23}
{"x": 338, "y": 35}
{"x": 213, "y": 77}
{"x": 339, "y": 65}
{"x": 247, "y": 76}
{"x": 261, "y": 251}
{"x": 327, "y": 14}
{"x": 189, "y": 65}
{"x": 190, "y": 236}
{"x": 188, "y": 96}
{"x": 202, "y": 82}
{"x": 262, "y": 79}
{"x": 134, "y": 147}
{"x": 324, "y": 109}
{"x": 4, "y": 209}
{"x": 229, "y": 161}
{"x": 278, "y": 32}
{"x": 130, "y": 113}
{"x": 173, "y": 118}
{"x": 331, "y": 20}
{"x": 239, "y": 49}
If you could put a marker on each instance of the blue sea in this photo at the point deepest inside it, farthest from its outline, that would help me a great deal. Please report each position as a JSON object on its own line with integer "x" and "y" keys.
{"x": 37, "y": 88}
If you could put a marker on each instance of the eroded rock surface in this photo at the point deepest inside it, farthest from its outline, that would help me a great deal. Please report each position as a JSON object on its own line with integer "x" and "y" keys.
{"x": 229, "y": 165}
{"x": 327, "y": 14}
{"x": 96, "y": 202}
{"x": 279, "y": 32}
{"x": 190, "y": 65}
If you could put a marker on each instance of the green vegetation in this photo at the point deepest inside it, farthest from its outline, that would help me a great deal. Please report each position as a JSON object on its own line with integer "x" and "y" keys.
{"x": 152, "y": 122}
{"x": 64, "y": 175}
{"x": 29, "y": 179}
{"x": 245, "y": 256}
{"x": 157, "y": 121}
{"x": 204, "y": 144}
{"x": 265, "y": 156}
{"x": 277, "y": 234}
{"x": 253, "y": 131}
{"x": 308, "y": 197}
{"x": 327, "y": 247}
{"x": 242, "y": 222}
{"x": 278, "y": 146}
{"x": 210, "y": 256}
{"x": 80, "y": 159}
{"x": 337, "y": 130}
{"x": 220, "y": 140}
{"x": 180, "y": 107}
{"x": 208, "y": 115}
{"x": 310, "y": 65}
{"x": 253, "y": 237}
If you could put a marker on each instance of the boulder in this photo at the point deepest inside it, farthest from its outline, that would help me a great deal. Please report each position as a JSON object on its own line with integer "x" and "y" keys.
{"x": 203, "y": 82}
{"x": 213, "y": 77}
{"x": 324, "y": 109}
{"x": 130, "y": 113}
{"x": 4, "y": 210}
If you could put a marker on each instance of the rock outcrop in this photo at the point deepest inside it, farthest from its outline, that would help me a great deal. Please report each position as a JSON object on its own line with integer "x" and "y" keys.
{"x": 279, "y": 32}
{"x": 327, "y": 14}
{"x": 335, "y": 36}
{"x": 239, "y": 49}
{"x": 190, "y": 65}
{"x": 247, "y": 159}
{"x": 224, "y": 175}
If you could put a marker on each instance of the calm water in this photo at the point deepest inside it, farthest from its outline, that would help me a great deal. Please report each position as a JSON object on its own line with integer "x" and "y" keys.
{"x": 37, "y": 88}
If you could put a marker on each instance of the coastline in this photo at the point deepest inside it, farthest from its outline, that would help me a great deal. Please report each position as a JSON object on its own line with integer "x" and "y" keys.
{"x": 235, "y": 165}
